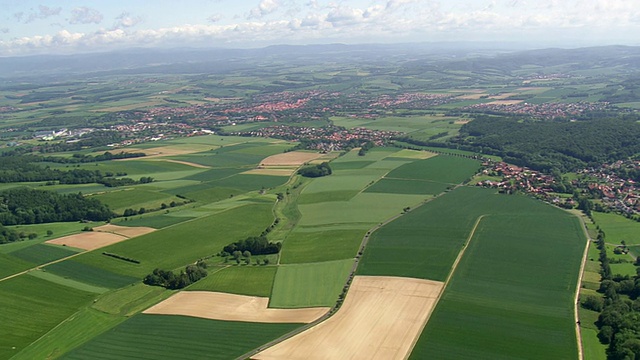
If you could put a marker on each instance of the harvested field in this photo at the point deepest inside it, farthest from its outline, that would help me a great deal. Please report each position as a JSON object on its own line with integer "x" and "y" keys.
{"x": 124, "y": 230}
{"x": 413, "y": 154}
{"x": 89, "y": 240}
{"x": 171, "y": 150}
{"x": 503, "y": 96}
{"x": 188, "y": 163}
{"x": 273, "y": 172}
{"x": 506, "y": 102}
{"x": 293, "y": 158}
{"x": 380, "y": 319}
{"x": 472, "y": 96}
{"x": 230, "y": 307}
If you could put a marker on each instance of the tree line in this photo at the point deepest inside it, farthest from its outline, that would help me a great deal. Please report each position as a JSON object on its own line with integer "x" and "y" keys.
{"x": 255, "y": 245}
{"x": 32, "y": 206}
{"x": 619, "y": 308}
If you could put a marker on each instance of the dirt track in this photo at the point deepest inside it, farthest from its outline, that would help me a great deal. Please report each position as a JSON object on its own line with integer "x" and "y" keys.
{"x": 380, "y": 319}
{"x": 230, "y": 307}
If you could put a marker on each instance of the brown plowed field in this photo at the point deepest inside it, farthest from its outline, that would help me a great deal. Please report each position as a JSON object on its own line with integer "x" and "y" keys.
{"x": 231, "y": 307}
{"x": 380, "y": 319}
{"x": 89, "y": 240}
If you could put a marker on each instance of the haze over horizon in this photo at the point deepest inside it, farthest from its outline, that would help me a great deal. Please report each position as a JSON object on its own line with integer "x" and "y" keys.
{"x": 54, "y": 27}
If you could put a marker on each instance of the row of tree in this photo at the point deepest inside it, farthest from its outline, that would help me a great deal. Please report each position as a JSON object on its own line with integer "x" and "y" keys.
{"x": 619, "y": 308}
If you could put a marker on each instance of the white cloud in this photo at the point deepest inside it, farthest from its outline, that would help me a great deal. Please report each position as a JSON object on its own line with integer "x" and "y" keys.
{"x": 126, "y": 20}
{"x": 265, "y": 7}
{"x": 85, "y": 15}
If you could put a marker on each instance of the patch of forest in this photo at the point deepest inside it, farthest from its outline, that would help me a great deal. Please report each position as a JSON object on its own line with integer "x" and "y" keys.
{"x": 544, "y": 146}
{"x": 33, "y": 206}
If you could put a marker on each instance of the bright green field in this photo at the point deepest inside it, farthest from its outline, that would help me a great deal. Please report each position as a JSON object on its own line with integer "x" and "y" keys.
{"x": 31, "y": 307}
{"x": 244, "y": 280}
{"x": 309, "y": 285}
{"x": 134, "y": 198}
{"x": 405, "y": 186}
{"x": 441, "y": 168}
{"x": 363, "y": 210}
{"x": 10, "y": 265}
{"x": 618, "y": 228}
{"x": 157, "y": 337}
{"x": 153, "y": 220}
{"x": 182, "y": 244}
{"x": 511, "y": 296}
{"x": 317, "y": 245}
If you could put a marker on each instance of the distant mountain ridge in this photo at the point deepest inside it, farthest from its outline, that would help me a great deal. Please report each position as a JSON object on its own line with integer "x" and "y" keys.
{"x": 463, "y": 56}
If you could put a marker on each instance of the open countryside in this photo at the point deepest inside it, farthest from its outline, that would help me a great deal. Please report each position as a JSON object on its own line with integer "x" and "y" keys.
{"x": 290, "y": 208}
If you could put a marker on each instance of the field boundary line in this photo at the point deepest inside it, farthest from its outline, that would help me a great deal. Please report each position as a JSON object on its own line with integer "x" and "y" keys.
{"x": 576, "y": 296}
{"x": 446, "y": 282}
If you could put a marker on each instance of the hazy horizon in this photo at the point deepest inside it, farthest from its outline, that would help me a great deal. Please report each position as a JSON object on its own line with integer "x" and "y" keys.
{"x": 53, "y": 27}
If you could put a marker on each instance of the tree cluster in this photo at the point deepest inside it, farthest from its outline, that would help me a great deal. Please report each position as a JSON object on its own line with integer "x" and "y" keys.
{"x": 7, "y": 235}
{"x": 168, "y": 279}
{"x": 32, "y": 206}
{"x": 544, "y": 146}
{"x": 256, "y": 245}
{"x": 316, "y": 171}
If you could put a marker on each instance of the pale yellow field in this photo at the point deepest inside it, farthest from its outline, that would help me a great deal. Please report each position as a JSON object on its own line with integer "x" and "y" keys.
{"x": 413, "y": 154}
{"x": 161, "y": 151}
{"x": 188, "y": 163}
{"x": 502, "y": 96}
{"x": 231, "y": 307}
{"x": 472, "y": 96}
{"x": 272, "y": 171}
{"x": 506, "y": 102}
{"x": 381, "y": 318}
{"x": 293, "y": 158}
{"x": 89, "y": 240}
{"x": 124, "y": 230}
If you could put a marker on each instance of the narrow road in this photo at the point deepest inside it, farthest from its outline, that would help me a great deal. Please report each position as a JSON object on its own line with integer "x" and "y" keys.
{"x": 577, "y": 294}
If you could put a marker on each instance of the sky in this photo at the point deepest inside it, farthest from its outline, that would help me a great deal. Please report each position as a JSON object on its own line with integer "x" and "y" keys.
{"x": 78, "y": 26}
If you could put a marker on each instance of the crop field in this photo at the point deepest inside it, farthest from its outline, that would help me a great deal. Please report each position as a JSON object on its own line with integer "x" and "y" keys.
{"x": 10, "y": 265}
{"x": 183, "y": 243}
{"x": 407, "y": 186}
{"x": 309, "y": 285}
{"x": 153, "y": 220}
{"x": 442, "y": 168}
{"x": 321, "y": 244}
{"x": 171, "y": 337}
{"x": 32, "y": 306}
{"x": 509, "y": 296}
{"x": 618, "y": 228}
{"x": 243, "y": 280}
{"x": 41, "y": 253}
{"x": 90, "y": 274}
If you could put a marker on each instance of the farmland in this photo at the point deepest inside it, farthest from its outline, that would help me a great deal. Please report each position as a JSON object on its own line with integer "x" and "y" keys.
{"x": 207, "y": 155}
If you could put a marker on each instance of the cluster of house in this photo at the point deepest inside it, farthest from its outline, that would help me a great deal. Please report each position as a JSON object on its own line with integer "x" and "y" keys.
{"x": 541, "y": 111}
{"x": 618, "y": 192}
{"x": 516, "y": 178}
{"x": 330, "y": 138}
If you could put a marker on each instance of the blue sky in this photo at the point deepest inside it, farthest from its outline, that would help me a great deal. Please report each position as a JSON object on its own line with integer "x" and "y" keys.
{"x": 71, "y": 26}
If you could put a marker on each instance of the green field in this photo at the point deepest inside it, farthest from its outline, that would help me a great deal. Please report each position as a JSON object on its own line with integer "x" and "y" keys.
{"x": 617, "y": 228}
{"x": 243, "y": 280}
{"x": 181, "y": 244}
{"x": 156, "y": 337}
{"x": 318, "y": 245}
{"x": 512, "y": 294}
{"x": 407, "y": 186}
{"x": 42, "y": 253}
{"x": 32, "y": 306}
{"x": 309, "y": 285}
{"x": 442, "y": 168}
